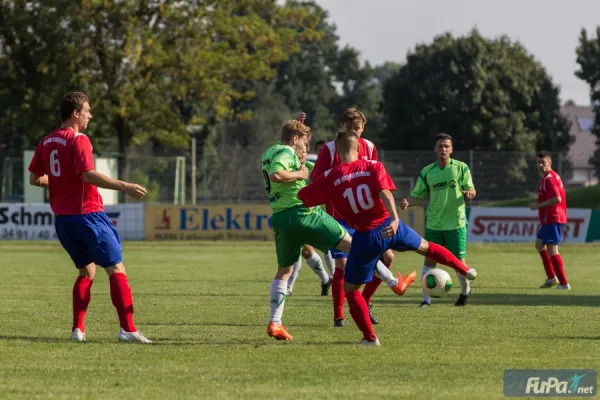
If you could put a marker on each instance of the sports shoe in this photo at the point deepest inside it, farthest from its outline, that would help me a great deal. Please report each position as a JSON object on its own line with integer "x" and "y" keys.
{"x": 338, "y": 323}
{"x": 278, "y": 332}
{"x": 77, "y": 335}
{"x": 549, "y": 283}
{"x": 471, "y": 274}
{"x": 371, "y": 315}
{"x": 565, "y": 287}
{"x": 404, "y": 282}
{"x": 424, "y": 304}
{"x": 136, "y": 336}
{"x": 325, "y": 287}
{"x": 289, "y": 291}
{"x": 462, "y": 300}
{"x": 375, "y": 343}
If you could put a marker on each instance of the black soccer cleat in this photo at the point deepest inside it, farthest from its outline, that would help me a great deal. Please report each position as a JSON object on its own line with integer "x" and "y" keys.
{"x": 338, "y": 323}
{"x": 462, "y": 300}
{"x": 325, "y": 287}
{"x": 424, "y": 304}
{"x": 371, "y": 315}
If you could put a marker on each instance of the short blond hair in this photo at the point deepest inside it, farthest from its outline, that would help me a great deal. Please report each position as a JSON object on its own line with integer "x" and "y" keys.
{"x": 294, "y": 128}
{"x": 352, "y": 119}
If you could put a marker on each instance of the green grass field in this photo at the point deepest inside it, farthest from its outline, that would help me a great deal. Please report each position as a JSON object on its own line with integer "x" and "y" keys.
{"x": 206, "y": 307}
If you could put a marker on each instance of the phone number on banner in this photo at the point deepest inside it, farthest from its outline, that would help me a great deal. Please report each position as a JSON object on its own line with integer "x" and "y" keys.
{"x": 27, "y": 234}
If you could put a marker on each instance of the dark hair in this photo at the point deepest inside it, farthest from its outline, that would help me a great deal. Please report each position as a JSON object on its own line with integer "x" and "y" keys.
{"x": 442, "y": 136}
{"x": 344, "y": 140}
{"x": 544, "y": 154}
{"x": 320, "y": 143}
{"x": 70, "y": 102}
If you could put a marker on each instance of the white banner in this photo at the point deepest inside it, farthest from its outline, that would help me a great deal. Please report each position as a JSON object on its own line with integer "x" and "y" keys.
{"x": 36, "y": 222}
{"x": 497, "y": 224}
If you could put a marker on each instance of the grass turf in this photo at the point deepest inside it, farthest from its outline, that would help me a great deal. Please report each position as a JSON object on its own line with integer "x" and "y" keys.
{"x": 206, "y": 307}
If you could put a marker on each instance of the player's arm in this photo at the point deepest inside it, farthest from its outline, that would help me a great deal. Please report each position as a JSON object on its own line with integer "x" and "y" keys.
{"x": 316, "y": 193}
{"x": 279, "y": 172}
{"x": 389, "y": 203}
{"x": 553, "y": 194}
{"x": 40, "y": 181}
{"x": 417, "y": 195}
{"x": 467, "y": 186}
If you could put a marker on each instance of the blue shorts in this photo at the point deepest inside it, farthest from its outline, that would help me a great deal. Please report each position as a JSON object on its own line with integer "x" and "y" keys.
{"x": 335, "y": 253}
{"x": 368, "y": 247}
{"x": 550, "y": 234}
{"x": 89, "y": 238}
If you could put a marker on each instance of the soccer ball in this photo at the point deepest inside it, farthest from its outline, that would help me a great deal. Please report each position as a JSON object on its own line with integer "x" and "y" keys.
{"x": 436, "y": 282}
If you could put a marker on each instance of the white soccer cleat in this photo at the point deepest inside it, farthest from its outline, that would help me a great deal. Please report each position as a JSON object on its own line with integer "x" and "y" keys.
{"x": 136, "y": 336}
{"x": 77, "y": 335}
{"x": 549, "y": 283}
{"x": 375, "y": 343}
{"x": 565, "y": 287}
{"x": 471, "y": 274}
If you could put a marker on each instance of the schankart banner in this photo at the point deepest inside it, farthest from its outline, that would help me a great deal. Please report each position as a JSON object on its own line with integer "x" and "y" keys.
{"x": 36, "y": 222}
{"x": 494, "y": 224}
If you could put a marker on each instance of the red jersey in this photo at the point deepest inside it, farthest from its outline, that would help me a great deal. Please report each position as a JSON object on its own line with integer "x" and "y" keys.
{"x": 329, "y": 158}
{"x": 353, "y": 190}
{"x": 64, "y": 155}
{"x": 551, "y": 186}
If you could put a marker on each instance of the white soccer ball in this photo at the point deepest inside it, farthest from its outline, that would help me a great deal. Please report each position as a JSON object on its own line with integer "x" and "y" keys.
{"x": 436, "y": 282}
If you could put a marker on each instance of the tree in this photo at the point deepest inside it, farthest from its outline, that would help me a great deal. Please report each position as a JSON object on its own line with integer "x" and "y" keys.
{"x": 490, "y": 95}
{"x": 588, "y": 58}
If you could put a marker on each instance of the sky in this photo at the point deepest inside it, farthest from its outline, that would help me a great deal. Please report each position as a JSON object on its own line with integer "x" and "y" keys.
{"x": 385, "y": 30}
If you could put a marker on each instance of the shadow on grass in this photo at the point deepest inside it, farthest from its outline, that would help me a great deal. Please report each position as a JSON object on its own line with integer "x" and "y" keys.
{"x": 226, "y": 324}
{"x": 34, "y": 339}
{"x": 513, "y": 299}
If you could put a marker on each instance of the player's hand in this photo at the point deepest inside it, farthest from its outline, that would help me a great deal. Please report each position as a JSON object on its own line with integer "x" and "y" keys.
{"x": 301, "y": 117}
{"x": 404, "y": 204}
{"x": 135, "y": 191}
{"x": 533, "y": 206}
{"x": 304, "y": 172}
{"x": 390, "y": 230}
{"x": 469, "y": 194}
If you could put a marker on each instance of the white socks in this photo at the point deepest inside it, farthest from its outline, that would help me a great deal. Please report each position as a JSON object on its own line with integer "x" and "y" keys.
{"x": 329, "y": 263}
{"x": 317, "y": 266}
{"x": 425, "y": 270}
{"x": 465, "y": 287}
{"x": 385, "y": 274}
{"x": 278, "y": 290}
{"x": 295, "y": 272}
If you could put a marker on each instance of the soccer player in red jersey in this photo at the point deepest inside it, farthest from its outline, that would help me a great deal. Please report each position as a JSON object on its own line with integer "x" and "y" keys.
{"x": 552, "y": 211}
{"x": 64, "y": 164}
{"x": 354, "y": 120}
{"x": 361, "y": 192}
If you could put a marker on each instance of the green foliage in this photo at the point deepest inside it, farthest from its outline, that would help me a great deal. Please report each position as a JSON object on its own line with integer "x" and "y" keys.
{"x": 587, "y": 197}
{"x": 588, "y": 58}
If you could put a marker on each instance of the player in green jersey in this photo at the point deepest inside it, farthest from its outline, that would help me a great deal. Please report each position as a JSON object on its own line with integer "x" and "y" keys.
{"x": 293, "y": 224}
{"x": 448, "y": 183}
{"x": 308, "y": 252}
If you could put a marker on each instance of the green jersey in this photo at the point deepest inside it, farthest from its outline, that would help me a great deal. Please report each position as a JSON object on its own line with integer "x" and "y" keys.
{"x": 281, "y": 195}
{"x": 310, "y": 165}
{"x": 446, "y": 210}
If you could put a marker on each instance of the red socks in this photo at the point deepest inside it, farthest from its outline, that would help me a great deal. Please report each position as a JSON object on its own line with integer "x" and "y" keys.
{"x": 547, "y": 264}
{"x": 559, "y": 268}
{"x": 443, "y": 256}
{"x": 371, "y": 287}
{"x": 337, "y": 292}
{"x": 360, "y": 314}
{"x": 82, "y": 294}
{"x": 120, "y": 293}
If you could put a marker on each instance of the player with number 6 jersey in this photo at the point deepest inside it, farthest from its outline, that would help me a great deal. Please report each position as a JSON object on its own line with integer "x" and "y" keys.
{"x": 361, "y": 191}
{"x": 63, "y": 163}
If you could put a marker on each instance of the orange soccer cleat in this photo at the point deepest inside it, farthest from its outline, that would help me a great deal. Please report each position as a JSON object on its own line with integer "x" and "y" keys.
{"x": 278, "y": 332}
{"x": 404, "y": 282}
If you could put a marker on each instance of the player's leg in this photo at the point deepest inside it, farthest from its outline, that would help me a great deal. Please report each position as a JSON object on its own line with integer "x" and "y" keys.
{"x": 437, "y": 237}
{"x": 315, "y": 263}
{"x": 370, "y": 288}
{"x": 553, "y": 241}
{"x": 338, "y": 295}
{"x": 329, "y": 263}
{"x": 69, "y": 232}
{"x": 542, "y": 249}
{"x": 295, "y": 271}
{"x": 104, "y": 245}
{"x": 456, "y": 243}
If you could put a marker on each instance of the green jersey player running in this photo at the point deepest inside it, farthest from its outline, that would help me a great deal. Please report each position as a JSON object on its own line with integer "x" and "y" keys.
{"x": 293, "y": 224}
{"x": 448, "y": 183}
